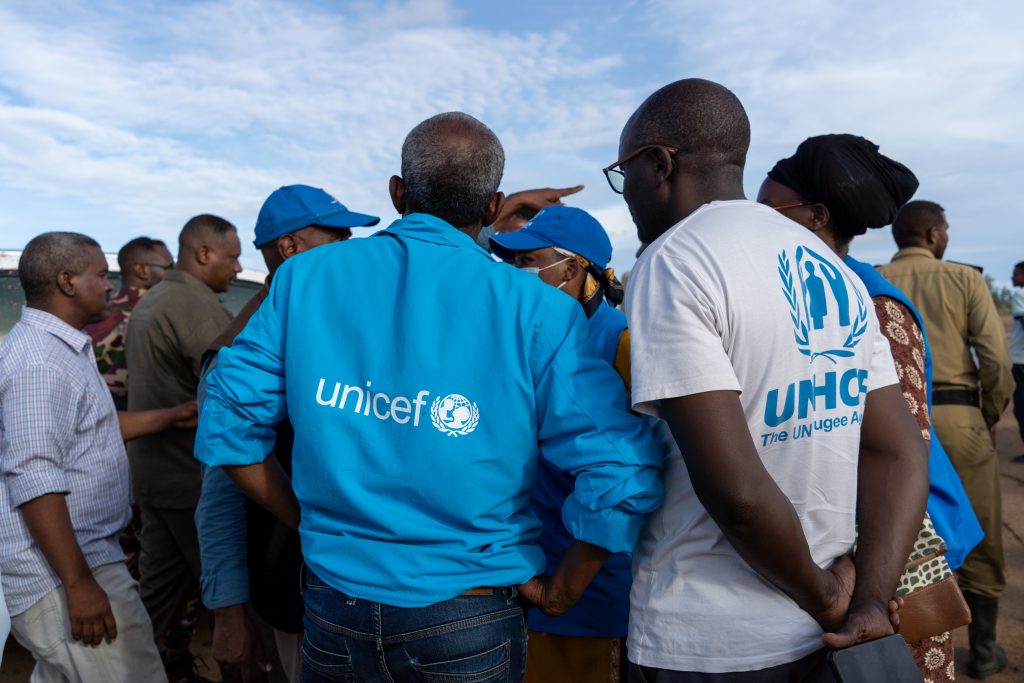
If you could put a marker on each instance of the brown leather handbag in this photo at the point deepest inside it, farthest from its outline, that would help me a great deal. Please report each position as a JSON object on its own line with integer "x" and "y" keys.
{"x": 932, "y": 601}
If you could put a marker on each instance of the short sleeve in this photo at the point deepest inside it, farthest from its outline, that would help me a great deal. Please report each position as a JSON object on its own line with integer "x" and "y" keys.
{"x": 39, "y": 409}
{"x": 1017, "y": 303}
{"x": 676, "y": 333}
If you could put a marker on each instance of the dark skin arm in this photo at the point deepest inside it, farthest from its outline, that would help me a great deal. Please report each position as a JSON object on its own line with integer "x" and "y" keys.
{"x": 555, "y": 594}
{"x": 89, "y": 610}
{"x": 267, "y": 484}
{"x": 137, "y": 423}
{"x": 754, "y": 514}
{"x": 892, "y": 492}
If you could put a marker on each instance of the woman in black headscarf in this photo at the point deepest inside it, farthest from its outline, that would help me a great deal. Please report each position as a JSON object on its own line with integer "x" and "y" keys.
{"x": 839, "y": 186}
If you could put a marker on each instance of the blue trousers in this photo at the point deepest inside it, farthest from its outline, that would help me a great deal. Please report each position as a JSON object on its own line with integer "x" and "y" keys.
{"x": 470, "y": 639}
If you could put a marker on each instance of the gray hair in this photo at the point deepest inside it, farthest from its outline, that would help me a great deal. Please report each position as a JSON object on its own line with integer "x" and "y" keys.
{"x": 48, "y": 255}
{"x": 452, "y": 166}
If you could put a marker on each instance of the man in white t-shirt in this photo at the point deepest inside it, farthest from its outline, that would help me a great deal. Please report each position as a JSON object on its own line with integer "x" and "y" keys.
{"x": 761, "y": 351}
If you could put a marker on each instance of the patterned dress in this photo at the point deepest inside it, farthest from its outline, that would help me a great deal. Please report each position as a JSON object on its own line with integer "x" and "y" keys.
{"x": 934, "y": 656}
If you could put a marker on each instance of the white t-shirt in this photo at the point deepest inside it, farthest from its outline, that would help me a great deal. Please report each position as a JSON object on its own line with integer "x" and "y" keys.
{"x": 737, "y": 296}
{"x": 1017, "y": 335}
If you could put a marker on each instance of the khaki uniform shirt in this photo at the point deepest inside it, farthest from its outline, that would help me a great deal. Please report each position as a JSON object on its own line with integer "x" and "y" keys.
{"x": 169, "y": 330}
{"x": 958, "y": 314}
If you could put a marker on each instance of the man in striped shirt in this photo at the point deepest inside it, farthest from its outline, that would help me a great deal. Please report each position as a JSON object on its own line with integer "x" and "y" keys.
{"x": 65, "y": 492}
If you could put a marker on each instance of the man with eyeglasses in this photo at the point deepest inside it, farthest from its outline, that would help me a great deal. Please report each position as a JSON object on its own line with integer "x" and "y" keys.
{"x": 143, "y": 263}
{"x": 745, "y": 571}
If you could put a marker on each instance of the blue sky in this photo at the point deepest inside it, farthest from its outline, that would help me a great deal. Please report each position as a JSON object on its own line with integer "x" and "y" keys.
{"x": 125, "y": 118}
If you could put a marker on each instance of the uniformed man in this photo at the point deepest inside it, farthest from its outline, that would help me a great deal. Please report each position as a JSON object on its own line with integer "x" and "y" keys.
{"x": 959, "y": 316}
{"x": 143, "y": 263}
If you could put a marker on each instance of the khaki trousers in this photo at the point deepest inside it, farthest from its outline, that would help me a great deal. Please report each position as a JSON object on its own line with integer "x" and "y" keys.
{"x": 45, "y": 630}
{"x": 967, "y": 440}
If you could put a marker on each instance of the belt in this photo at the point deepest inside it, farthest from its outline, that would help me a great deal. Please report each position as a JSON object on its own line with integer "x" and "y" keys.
{"x": 956, "y": 397}
{"x": 478, "y": 591}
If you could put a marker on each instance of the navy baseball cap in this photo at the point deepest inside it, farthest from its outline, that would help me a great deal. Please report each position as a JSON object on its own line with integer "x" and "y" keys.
{"x": 565, "y": 227}
{"x": 294, "y": 207}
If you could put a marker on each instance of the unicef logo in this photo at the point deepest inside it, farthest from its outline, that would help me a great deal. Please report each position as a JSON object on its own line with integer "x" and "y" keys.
{"x": 818, "y": 293}
{"x": 454, "y": 415}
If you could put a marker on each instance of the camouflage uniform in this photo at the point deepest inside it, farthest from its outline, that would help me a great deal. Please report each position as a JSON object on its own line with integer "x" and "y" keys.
{"x": 108, "y": 342}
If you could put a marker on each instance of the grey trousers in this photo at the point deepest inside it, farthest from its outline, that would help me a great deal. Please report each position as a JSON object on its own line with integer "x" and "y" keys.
{"x": 44, "y": 630}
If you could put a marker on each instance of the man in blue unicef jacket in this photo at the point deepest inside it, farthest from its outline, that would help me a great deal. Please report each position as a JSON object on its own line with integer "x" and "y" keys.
{"x": 421, "y": 398}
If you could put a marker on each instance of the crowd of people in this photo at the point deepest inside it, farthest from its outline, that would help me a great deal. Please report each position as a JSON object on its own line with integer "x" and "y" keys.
{"x": 461, "y": 450}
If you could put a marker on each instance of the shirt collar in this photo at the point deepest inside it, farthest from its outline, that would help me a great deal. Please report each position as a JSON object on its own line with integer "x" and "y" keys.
{"x": 48, "y": 322}
{"x": 908, "y": 252}
{"x": 427, "y": 228}
{"x": 188, "y": 279}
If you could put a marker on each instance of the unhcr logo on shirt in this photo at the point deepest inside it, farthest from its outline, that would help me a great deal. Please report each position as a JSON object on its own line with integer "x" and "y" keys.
{"x": 454, "y": 414}
{"x": 818, "y": 294}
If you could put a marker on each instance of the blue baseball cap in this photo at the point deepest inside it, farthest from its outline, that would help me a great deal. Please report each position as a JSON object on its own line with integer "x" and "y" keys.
{"x": 294, "y": 207}
{"x": 565, "y": 227}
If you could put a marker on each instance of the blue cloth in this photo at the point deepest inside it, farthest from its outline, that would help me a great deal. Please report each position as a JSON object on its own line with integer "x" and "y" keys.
{"x": 58, "y": 434}
{"x": 603, "y": 609}
{"x": 468, "y": 638}
{"x": 421, "y": 399}
{"x": 221, "y": 528}
{"x": 948, "y": 505}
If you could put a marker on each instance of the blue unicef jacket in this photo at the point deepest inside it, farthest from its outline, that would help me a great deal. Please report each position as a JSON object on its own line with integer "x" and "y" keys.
{"x": 948, "y": 505}
{"x": 603, "y": 610}
{"x": 422, "y": 394}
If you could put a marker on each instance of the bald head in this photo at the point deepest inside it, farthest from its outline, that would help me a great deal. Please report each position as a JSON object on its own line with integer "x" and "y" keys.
{"x": 684, "y": 147}
{"x": 451, "y": 168}
{"x": 703, "y": 120}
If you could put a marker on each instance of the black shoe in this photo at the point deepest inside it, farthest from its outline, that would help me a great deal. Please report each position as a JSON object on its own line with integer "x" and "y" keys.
{"x": 986, "y": 655}
{"x": 994, "y": 666}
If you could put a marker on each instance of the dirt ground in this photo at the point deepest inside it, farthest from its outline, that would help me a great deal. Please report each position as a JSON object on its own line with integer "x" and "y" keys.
{"x": 17, "y": 664}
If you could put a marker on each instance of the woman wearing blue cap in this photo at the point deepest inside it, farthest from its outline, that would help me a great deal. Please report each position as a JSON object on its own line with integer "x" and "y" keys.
{"x": 569, "y": 250}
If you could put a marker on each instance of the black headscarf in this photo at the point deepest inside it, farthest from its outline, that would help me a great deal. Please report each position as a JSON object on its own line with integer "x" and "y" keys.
{"x": 861, "y": 188}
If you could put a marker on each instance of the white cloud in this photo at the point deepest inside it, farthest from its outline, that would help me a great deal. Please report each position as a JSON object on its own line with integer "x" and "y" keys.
{"x": 162, "y": 113}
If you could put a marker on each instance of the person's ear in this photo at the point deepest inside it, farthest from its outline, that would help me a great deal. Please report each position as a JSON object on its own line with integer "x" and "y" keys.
{"x": 494, "y": 208}
{"x": 141, "y": 271}
{"x": 66, "y": 283}
{"x": 931, "y": 236}
{"x": 664, "y": 164}
{"x": 820, "y": 217}
{"x": 203, "y": 255}
{"x": 572, "y": 268}
{"x": 396, "y": 188}
{"x": 287, "y": 246}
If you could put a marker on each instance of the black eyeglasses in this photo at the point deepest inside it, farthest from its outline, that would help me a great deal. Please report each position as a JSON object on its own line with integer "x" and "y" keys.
{"x": 617, "y": 177}
{"x": 165, "y": 266}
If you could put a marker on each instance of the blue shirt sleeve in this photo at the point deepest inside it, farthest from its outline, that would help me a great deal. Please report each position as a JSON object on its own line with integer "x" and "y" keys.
{"x": 221, "y": 524}
{"x": 585, "y": 429}
{"x": 245, "y": 393}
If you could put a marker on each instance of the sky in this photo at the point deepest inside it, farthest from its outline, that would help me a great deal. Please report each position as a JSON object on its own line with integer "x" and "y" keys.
{"x": 120, "y": 119}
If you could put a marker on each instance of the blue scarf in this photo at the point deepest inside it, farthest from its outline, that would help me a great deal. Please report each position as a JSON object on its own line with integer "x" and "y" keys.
{"x": 948, "y": 505}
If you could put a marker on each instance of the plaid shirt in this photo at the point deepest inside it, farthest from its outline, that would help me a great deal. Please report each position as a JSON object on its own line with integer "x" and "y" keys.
{"x": 58, "y": 434}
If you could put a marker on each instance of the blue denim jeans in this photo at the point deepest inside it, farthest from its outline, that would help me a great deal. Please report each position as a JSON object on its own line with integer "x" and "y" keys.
{"x": 468, "y": 639}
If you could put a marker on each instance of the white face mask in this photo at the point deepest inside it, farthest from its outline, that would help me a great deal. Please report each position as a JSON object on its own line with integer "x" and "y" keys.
{"x": 536, "y": 271}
